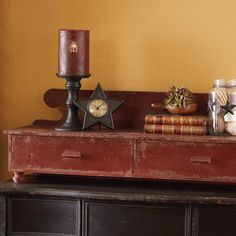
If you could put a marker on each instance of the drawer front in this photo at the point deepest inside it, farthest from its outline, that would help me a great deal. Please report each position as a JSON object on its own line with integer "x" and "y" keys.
{"x": 89, "y": 156}
{"x": 28, "y": 216}
{"x": 214, "y": 221}
{"x": 186, "y": 161}
{"x": 103, "y": 219}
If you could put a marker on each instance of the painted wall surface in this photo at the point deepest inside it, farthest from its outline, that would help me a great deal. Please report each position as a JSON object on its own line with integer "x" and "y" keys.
{"x": 135, "y": 45}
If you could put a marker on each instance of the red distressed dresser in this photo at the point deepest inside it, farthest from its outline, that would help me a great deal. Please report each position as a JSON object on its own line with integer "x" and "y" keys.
{"x": 126, "y": 152}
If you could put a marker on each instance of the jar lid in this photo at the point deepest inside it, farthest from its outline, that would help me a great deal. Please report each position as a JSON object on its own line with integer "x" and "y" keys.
{"x": 231, "y": 83}
{"x": 219, "y": 82}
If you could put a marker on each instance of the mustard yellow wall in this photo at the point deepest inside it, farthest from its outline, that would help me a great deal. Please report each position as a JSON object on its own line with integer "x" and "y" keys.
{"x": 135, "y": 45}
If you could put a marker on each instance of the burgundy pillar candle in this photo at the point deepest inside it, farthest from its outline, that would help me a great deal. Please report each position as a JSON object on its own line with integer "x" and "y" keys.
{"x": 73, "y": 52}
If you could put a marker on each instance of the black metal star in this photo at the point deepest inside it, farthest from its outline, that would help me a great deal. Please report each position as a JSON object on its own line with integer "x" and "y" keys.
{"x": 107, "y": 119}
{"x": 228, "y": 108}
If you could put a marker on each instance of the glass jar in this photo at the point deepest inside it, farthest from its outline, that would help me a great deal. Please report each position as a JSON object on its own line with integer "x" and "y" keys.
{"x": 217, "y": 99}
{"x": 231, "y": 86}
{"x": 229, "y": 118}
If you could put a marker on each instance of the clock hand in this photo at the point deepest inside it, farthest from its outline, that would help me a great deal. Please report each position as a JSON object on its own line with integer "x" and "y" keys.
{"x": 100, "y": 105}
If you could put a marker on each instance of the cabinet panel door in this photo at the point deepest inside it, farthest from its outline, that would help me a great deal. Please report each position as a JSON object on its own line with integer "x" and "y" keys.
{"x": 215, "y": 221}
{"x": 116, "y": 219}
{"x": 28, "y": 216}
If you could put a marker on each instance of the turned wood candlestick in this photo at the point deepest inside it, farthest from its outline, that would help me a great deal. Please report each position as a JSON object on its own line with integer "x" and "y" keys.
{"x": 72, "y": 122}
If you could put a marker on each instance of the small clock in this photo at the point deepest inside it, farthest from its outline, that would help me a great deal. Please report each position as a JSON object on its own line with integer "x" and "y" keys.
{"x": 98, "y": 109}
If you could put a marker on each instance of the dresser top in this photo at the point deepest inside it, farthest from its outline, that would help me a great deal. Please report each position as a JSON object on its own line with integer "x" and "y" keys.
{"x": 50, "y": 131}
{"x": 106, "y": 189}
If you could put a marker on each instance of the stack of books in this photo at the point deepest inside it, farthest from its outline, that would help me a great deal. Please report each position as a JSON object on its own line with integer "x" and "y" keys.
{"x": 175, "y": 124}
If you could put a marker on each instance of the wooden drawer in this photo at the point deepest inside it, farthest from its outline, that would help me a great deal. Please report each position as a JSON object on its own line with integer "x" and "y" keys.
{"x": 35, "y": 216}
{"x": 121, "y": 219}
{"x": 214, "y": 221}
{"x": 65, "y": 155}
{"x": 186, "y": 161}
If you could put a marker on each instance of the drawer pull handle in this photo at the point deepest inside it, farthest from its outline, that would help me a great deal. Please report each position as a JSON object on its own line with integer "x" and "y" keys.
{"x": 201, "y": 160}
{"x": 72, "y": 155}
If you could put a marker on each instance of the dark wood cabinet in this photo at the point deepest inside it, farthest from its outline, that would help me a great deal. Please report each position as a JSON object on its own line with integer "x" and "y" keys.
{"x": 215, "y": 220}
{"x": 34, "y": 215}
{"x": 69, "y": 206}
{"x": 103, "y": 218}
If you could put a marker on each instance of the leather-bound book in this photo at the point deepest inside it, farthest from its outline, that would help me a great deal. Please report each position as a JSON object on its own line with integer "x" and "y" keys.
{"x": 73, "y": 52}
{"x": 175, "y": 129}
{"x": 160, "y": 119}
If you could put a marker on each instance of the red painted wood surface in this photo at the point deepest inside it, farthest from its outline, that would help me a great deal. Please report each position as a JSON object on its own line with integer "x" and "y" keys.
{"x": 66, "y": 155}
{"x": 186, "y": 161}
{"x": 129, "y": 116}
{"x": 123, "y": 154}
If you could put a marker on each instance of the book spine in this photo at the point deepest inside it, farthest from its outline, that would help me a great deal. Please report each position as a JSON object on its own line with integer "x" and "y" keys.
{"x": 176, "y": 120}
{"x": 175, "y": 129}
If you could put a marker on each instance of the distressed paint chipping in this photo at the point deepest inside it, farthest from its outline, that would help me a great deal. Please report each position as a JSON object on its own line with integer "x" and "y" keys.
{"x": 123, "y": 154}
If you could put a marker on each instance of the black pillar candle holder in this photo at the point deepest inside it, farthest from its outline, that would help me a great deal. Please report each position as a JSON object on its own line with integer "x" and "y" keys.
{"x": 73, "y": 85}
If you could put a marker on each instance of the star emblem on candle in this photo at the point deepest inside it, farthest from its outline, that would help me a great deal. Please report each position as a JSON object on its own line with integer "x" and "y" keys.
{"x": 228, "y": 108}
{"x": 73, "y": 47}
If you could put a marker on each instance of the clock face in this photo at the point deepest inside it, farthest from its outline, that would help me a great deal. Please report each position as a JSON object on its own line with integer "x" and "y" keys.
{"x": 97, "y": 107}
